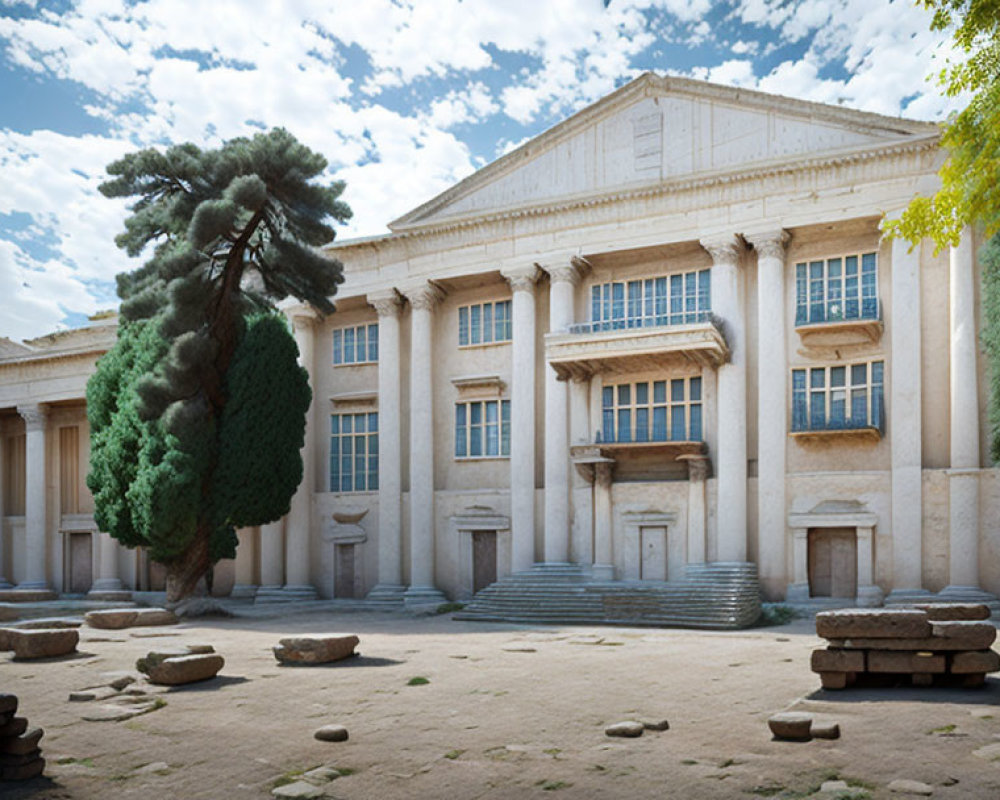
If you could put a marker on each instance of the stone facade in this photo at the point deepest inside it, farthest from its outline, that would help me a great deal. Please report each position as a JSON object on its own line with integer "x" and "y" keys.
{"x": 665, "y": 332}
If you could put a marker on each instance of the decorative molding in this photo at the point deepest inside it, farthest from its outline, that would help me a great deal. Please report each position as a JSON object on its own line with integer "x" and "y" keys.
{"x": 34, "y": 416}
{"x": 573, "y": 272}
{"x": 387, "y": 303}
{"x": 522, "y": 278}
{"x": 425, "y": 296}
{"x": 303, "y": 320}
{"x": 770, "y": 244}
{"x": 366, "y": 399}
{"x": 724, "y": 250}
{"x": 479, "y": 385}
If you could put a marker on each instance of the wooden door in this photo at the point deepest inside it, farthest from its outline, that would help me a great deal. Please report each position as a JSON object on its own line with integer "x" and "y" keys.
{"x": 653, "y": 553}
{"x": 344, "y": 580}
{"x": 833, "y": 562}
{"x": 81, "y": 564}
{"x": 484, "y": 559}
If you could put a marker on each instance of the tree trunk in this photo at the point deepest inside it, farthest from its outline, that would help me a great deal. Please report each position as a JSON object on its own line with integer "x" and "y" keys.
{"x": 185, "y": 573}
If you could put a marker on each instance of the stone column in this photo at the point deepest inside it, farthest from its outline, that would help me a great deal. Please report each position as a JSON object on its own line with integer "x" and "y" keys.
{"x": 604, "y": 564}
{"x": 698, "y": 470}
{"x": 557, "y": 522}
{"x": 390, "y": 587}
{"x": 272, "y": 562}
{"x": 36, "y": 526}
{"x": 731, "y": 428}
{"x": 522, "y": 282}
{"x": 108, "y": 585}
{"x": 299, "y": 520}
{"x": 904, "y": 424}
{"x": 4, "y": 544}
{"x": 963, "y": 478}
{"x": 422, "y": 590}
{"x": 798, "y": 591}
{"x": 581, "y": 549}
{"x": 869, "y": 594}
{"x": 772, "y": 408}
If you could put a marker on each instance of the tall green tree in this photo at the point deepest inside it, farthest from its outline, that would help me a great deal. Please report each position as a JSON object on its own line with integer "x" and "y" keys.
{"x": 197, "y": 414}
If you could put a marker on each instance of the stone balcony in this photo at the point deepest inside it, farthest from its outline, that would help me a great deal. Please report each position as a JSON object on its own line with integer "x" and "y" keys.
{"x": 589, "y": 349}
{"x": 836, "y": 324}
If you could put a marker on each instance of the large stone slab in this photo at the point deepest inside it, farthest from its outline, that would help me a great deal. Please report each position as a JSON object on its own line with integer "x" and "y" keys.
{"x": 315, "y": 649}
{"x": 977, "y": 661}
{"x": 838, "y": 661}
{"x": 902, "y": 661}
{"x": 7, "y": 613}
{"x": 29, "y": 644}
{"x": 179, "y": 670}
{"x": 47, "y": 623}
{"x": 978, "y": 640}
{"x": 117, "y": 618}
{"x": 947, "y": 612}
{"x": 969, "y": 634}
{"x": 873, "y": 623}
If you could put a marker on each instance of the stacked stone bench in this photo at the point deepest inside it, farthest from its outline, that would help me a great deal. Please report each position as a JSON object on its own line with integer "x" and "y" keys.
{"x": 950, "y": 641}
{"x": 20, "y": 757}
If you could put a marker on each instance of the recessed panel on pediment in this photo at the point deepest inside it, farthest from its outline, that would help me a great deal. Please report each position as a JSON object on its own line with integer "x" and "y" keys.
{"x": 671, "y": 130}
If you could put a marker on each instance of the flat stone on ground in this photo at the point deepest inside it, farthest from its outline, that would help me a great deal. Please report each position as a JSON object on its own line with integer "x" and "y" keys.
{"x": 872, "y": 623}
{"x": 331, "y": 733}
{"x": 315, "y": 649}
{"x": 834, "y": 786}
{"x": 629, "y": 729}
{"x": 321, "y": 775}
{"x": 904, "y": 786}
{"x": 178, "y": 670}
{"x": 299, "y": 789}
{"x": 28, "y": 644}
{"x": 656, "y": 724}
{"x": 975, "y": 661}
{"x": 117, "y": 618}
{"x": 47, "y": 623}
{"x": 825, "y": 730}
{"x": 791, "y": 725}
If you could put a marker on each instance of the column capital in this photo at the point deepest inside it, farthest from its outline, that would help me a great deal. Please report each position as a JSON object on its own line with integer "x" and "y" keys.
{"x": 424, "y": 296}
{"x": 769, "y": 244}
{"x": 604, "y": 473}
{"x": 386, "y": 303}
{"x": 34, "y": 416}
{"x": 522, "y": 278}
{"x": 725, "y": 249}
{"x": 699, "y": 466}
{"x": 567, "y": 273}
{"x": 303, "y": 319}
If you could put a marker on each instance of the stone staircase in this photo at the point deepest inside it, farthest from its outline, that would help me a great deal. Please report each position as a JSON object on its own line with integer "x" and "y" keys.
{"x": 719, "y": 595}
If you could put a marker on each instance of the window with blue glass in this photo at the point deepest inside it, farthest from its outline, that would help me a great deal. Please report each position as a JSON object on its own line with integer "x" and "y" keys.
{"x": 356, "y": 345}
{"x": 845, "y": 397}
{"x": 354, "y": 452}
{"x": 837, "y": 289}
{"x": 482, "y": 429}
{"x": 484, "y": 323}
{"x": 652, "y": 411}
{"x": 676, "y": 299}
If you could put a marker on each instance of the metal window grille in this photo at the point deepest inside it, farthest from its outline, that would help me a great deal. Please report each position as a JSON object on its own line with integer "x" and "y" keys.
{"x": 843, "y": 397}
{"x": 837, "y": 289}
{"x": 653, "y": 411}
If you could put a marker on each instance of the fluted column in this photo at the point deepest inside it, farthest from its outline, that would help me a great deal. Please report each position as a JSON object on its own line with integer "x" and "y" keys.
{"x": 522, "y": 282}
{"x": 36, "y": 505}
{"x": 390, "y": 450}
{"x": 963, "y": 478}
{"x": 905, "y": 423}
{"x": 299, "y": 520}
{"x": 422, "y": 590}
{"x": 772, "y": 409}
{"x": 731, "y": 428}
{"x": 557, "y": 523}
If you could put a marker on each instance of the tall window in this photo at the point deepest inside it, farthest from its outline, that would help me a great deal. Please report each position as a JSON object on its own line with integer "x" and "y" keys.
{"x": 837, "y": 289}
{"x": 654, "y": 411}
{"x": 669, "y": 300}
{"x": 484, "y": 323}
{"x": 357, "y": 345}
{"x": 354, "y": 452}
{"x": 845, "y": 397}
{"x": 482, "y": 429}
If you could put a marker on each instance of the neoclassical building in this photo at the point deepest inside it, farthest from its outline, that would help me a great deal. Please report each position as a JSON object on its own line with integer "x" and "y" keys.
{"x": 663, "y": 335}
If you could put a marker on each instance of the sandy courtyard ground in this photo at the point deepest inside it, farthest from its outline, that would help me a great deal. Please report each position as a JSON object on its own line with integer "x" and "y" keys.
{"x": 508, "y": 712}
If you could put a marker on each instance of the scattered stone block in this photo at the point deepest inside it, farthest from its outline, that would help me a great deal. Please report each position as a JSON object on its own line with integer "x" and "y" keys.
{"x": 872, "y": 623}
{"x": 942, "y": 612}
{"x": 117, "y": 618}
{"x": 154, "y": 657}
{"x": 332, "y": 733}
{"x": 321, "y": 775}
{"x": 979, "y": 640}
{"x": 156, "y": 768}
{"x": 656, "y": 724}
{"x": 629, "y": 729}
{"x": 834, "y": 786}
{"x": 910, "y": 787}
{"x": 838, "y": 661}
{"x": 18, "y": 759}
{"x": 8, "y": 703}
{"x": 22, "y": 745}
{"x": 834, "y": 680}
{"x": 902, "y": 661}
{"x": 29, "y": 644}
{"x": 155, "y": 616}
{"x": 825, "y": 730}
{"x": 179, "y": 670}
{"x": 46, "y": 624}
{"x": 968, "y": 633}
{"x": 23, "y": 772}
{"x": 15, "y": 727}
{"x": 791, "y": 725}
{"x": 299, "y": 789}
{"x": 975, "y": 661}
{"x": 315, "y": 649}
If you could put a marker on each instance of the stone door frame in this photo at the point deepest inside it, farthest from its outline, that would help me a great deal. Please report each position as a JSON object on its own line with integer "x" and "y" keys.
{"x": 68, "y": 525}
{"x": 634, "y": 522}
{"x": 462, "y": 527}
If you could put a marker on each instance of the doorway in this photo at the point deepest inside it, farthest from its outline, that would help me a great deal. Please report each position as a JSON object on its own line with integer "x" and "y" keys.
{"x": 653, "y": 553}
{"x": 484, "y": 559}
{"x": 833, "y": 562}
{"x": 81, "y": 563}
{"x": 346, "y": 572}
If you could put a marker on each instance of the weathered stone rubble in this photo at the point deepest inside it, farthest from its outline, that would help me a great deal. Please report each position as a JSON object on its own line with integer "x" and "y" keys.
{"x": 179, "y": 666}
{"x": 20, "y": 755}
{"x": 315, "y": 649}
{"x": 948, "y": 640}
{"x": 41, "y": 643}
{"x": 117, "y": 618}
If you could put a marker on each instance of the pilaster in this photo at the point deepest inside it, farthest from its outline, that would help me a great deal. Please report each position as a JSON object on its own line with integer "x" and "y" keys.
{"x": 36, "y": 506}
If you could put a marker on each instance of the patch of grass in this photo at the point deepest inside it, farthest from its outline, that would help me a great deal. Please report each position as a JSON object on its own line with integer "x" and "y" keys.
{"x": 775, "y": 614}
{"x": 289, "y": 777}
{"x": 552, "y": 751}
{"x": 345, "y": 771}
{"x": 729, "y": 762}
{"x": 552, "y": 786}
{"x": 689, "y": 762}
{"x": 447, "y": 608}
{"x": 85, "y": 762}
{"x": 451, "y": 755}
{"x": 857, "y": 783}
{"x": 942, "y": 729}
{"x": 418, "y": 681}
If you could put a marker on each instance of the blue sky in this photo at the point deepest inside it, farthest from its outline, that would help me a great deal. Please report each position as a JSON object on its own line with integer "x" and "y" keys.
{"x": 403, "y": 97}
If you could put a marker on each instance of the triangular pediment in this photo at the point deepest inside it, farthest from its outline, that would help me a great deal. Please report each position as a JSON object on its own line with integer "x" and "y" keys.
{"x": 657, "y": 130}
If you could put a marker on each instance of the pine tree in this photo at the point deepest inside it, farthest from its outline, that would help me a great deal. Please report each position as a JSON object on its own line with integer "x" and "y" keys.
{"x": 197, "y": 414}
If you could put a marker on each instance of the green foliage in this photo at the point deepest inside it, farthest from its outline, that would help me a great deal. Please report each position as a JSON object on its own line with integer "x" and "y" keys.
{"x": 417, "y": 681}
{"x": 970, "y": 178}
{"x": 990, "y": 257}
{"x": 198, "y": 412}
